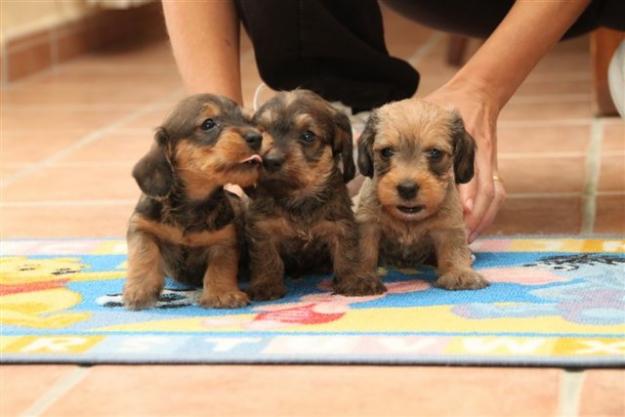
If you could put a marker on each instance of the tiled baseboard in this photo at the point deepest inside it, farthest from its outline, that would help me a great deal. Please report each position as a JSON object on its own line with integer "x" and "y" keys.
{"x": 34, "y": 52}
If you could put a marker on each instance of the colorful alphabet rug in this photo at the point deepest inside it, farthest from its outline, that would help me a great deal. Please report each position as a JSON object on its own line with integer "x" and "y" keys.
{"x": 552, "y": 302}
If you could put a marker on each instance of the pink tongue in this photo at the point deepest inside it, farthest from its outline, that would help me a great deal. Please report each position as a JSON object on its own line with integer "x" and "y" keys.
{"x": 252, "y": 158}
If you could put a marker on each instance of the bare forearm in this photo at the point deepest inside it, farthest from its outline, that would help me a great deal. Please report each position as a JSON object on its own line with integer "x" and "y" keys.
{"x": 527, "y": 33}
{"x": 205, "y": 40}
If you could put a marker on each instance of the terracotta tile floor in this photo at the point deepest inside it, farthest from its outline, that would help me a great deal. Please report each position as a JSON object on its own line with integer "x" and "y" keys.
{"x": 69, "y": 138}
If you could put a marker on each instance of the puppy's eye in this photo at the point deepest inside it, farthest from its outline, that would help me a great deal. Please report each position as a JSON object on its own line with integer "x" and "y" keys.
{"x": 387, "y": 153}
{"x": 208, "y": 124}
{"x": 307, "y": 137}
{"x": 434, "y": 154}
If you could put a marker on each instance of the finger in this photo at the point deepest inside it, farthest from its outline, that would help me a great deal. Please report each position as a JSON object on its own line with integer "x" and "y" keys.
{"x": 491, "y": 213}
{"x": 483, "y": 188}
{"x": 483, "y": 199}
{"x": 467, "y": 195}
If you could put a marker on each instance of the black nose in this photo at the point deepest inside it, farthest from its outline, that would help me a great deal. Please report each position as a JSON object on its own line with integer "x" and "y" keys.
{"x": 407, "y": 189}
{"x": 253, "y": 139}
{"x": 273, "y": 161}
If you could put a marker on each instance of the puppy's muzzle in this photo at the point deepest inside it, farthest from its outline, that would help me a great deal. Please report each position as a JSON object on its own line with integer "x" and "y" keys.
{"x": 253, "y": 139}
{"x": 274, "y": 160}
{"x": 407, "y": 190}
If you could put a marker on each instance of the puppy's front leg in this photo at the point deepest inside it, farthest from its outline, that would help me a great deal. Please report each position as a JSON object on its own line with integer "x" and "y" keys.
{"x": 145, "y": 271}
{"x": 369, "y": 245}
{"x": 454, "y": 262}
{"x": 266, "y": 265}
{"x": 221, "y": 289}
{"x": 353, "y": 277}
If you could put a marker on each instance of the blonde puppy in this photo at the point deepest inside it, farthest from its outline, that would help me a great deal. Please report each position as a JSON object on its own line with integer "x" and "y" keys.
{"x": 414, "y": 154}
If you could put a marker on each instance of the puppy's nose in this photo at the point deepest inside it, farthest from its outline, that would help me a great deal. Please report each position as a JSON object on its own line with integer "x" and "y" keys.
{"x": 273, "y": 161}
{"x": 253, "y": 139}
{"x": 407, "y": 189}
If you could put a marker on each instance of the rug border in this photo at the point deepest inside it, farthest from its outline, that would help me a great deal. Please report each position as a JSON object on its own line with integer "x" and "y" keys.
{"x": 562, "y": 361}
{"x": 517, "y": 361}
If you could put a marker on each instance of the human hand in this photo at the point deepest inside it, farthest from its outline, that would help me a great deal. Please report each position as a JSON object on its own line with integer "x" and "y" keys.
{"x": 482, "y": 196}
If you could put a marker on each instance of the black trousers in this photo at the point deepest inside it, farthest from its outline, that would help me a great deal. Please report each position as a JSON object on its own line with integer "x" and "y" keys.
{"x": 336, "y": 47}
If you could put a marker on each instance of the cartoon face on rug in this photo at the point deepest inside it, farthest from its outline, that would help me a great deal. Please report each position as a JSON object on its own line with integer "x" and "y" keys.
{"x": 168, "y": 299}
{"x": 33, "y": 292}
{"x": 318, "y": 308}
{"x": 584, "y": 288}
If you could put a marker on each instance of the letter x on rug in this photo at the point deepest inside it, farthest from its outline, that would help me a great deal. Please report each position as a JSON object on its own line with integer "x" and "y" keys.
{"x": 552, "y": 302}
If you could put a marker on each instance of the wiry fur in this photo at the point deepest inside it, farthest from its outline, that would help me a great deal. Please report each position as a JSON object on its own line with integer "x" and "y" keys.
{"x": 185, "y": 224}
{"x": 301, "y": 217}
{"x": 430, "y": 151}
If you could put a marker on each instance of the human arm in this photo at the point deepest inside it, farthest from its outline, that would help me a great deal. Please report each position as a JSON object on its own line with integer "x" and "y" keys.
{"x": 481, "y": 88}
{"x": 204, "y": 36}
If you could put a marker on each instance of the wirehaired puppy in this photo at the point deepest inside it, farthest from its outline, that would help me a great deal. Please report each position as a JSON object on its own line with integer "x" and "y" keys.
{"x": 414, "y": 154}
{"x": 301, "y": 217}
{"x": 185, "y": 224}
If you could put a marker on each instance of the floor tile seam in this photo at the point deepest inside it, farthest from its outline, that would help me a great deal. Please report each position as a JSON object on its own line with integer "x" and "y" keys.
{"x": 425, "y": 48}
{"x": 61, "y": 387}
{"x": 571, "y": 383}
{"x": 84, "y": 140}
{"x": 592, "y": 170}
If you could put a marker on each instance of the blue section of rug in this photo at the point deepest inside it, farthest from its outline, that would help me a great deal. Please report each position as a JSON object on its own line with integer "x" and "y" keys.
{"x": 552, "y": 302}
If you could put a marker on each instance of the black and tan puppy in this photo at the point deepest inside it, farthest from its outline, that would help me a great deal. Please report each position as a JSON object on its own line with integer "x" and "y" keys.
{"x": 301, "y": 216}
{"x": 185, "y": 225}
{"x": 414, "y": 153}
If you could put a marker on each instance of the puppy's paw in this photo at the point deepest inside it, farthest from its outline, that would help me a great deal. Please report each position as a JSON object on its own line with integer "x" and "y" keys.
{"x": 461, "y": 279}
{"x": 266, "y": 292}
{"x": 138, "y": 297}
{"x": 361, "y": 286}
{"x": 224, "y": 299}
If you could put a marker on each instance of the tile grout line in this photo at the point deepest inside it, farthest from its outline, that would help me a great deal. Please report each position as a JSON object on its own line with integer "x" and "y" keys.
{"x": 571, "y": 383}
{"x": 38, "y": 75}
{"x": 58, "y": 390}
{"x": 85, "y": 140}
{"x": 425, "y": 48}
{"x": 593, "y": 165}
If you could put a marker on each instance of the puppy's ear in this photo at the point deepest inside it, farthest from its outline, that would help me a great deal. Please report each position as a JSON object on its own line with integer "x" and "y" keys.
{"x": 343, "y": 144}
{"x": 464, "y": 150}
{"x": 365, "y": 146}
{"x": 153, "y": 172}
